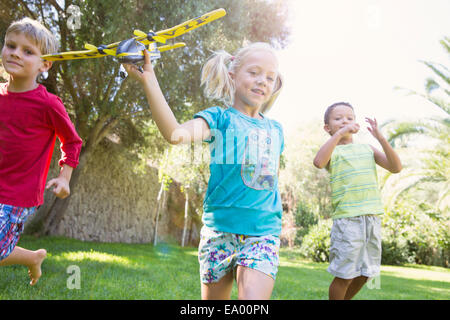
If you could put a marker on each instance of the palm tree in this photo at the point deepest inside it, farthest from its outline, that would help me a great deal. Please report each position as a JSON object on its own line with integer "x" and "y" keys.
{"x": 433, "y": 164}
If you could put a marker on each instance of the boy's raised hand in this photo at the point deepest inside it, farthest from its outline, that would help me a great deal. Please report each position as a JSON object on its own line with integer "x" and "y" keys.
{"x": 134, "y": 72}
{"x": 349, "y": 128}
{"x": 373, "y": 129}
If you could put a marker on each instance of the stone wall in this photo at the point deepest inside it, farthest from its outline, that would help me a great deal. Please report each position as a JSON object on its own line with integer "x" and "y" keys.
{"x": 113, "y": 202}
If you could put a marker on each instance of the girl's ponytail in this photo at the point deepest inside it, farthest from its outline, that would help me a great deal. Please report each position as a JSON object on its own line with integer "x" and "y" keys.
{"x": 215, "y": 77}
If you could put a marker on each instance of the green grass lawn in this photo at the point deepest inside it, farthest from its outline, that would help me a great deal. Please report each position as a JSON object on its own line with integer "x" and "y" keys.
{"x": 142, "y": 271}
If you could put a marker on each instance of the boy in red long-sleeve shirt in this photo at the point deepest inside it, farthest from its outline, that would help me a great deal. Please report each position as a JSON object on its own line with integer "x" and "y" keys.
{"x": 30, "y": 120}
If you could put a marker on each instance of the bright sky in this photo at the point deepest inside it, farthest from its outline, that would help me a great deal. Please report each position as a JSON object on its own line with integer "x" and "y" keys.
{"x": 358, "y": 51}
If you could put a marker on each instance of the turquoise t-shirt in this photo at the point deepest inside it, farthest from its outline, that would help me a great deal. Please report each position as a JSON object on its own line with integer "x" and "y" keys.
{"x": 242, "y": 195}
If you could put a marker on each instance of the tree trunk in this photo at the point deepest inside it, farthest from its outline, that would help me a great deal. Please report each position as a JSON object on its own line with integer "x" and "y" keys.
{"x": 186, "y": 206}
{"x": 191, "y": 227}
{"x": 50, "y": 215}
{"x": 160, "y": 204}
{"x": 289, "y": 209}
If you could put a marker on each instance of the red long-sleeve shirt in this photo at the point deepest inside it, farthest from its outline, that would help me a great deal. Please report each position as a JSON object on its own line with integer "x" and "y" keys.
{"x": 29, "y": 124}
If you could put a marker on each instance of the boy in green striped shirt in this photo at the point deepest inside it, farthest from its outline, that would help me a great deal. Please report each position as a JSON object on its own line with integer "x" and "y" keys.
{"x": 355, "y": 252}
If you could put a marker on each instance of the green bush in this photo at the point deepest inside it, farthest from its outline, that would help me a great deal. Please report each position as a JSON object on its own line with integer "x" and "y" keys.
{"x": 414, "y": 233}
{"x": 316, "y": 244}
{"x": 395, "y": 252}
{"x": 304, "y": 219}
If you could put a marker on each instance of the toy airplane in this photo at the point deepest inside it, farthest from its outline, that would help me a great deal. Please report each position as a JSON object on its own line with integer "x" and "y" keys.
{"x": 131, "y": 50}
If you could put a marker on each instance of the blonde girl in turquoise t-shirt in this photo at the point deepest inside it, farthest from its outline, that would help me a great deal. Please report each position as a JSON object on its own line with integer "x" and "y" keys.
{"x": 355, "y": 251}
{"x": 242, "y": 207}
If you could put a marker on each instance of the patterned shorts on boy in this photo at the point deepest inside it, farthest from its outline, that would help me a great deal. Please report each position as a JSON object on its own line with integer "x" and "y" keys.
{"x": 355, "y": 247}
{"x": 221, "y": 252}
{"x": 12, "y": 220}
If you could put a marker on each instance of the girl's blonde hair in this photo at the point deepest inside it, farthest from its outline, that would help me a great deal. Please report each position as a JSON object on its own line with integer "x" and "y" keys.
{"x": 217, "y": 80}
{"x": 35, "y": 32}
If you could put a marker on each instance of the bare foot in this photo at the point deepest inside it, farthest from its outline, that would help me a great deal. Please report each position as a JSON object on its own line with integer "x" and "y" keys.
{"x": 34, "y": 271}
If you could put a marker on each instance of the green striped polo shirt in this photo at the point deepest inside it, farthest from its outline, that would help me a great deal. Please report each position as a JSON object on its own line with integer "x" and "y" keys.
{"x": 354, "y": 182}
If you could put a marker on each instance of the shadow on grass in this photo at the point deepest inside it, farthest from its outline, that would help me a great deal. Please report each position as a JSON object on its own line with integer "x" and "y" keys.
{"x": 107, "y": 271}
{"x": 399, "y": 288}
{"x": 301, "y": 283}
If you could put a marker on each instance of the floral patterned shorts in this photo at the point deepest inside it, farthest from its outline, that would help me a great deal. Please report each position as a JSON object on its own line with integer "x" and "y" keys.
{"x": 221, "y": 252}
{"x": 12, "y": 220}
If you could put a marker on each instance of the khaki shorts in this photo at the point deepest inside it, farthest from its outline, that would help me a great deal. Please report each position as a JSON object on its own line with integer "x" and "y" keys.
{"x": 355, "y": 247}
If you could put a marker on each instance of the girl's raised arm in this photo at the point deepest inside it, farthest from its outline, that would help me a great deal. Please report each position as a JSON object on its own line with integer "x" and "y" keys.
{"x": 175, "y": 133}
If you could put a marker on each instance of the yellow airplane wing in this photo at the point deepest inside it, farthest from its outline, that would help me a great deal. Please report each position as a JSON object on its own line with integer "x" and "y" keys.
{"x": 162, "y": 36}
{"x": 86, "y": 54}
{"x": 72, "y": 55}
{"x": 191, "y": 24}
{"x": 171, "y": 46}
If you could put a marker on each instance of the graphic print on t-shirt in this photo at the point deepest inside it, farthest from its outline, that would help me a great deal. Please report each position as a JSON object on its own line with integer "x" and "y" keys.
{"x": 260, "y": 163}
